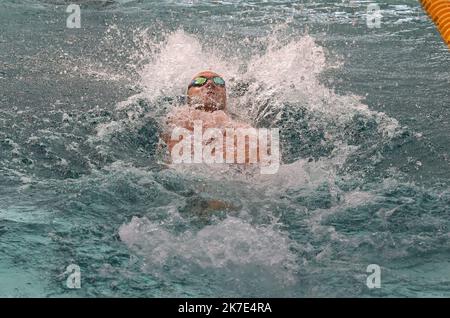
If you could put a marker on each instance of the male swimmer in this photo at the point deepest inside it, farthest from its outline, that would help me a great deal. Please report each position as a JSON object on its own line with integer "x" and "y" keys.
{"x": 206, "y": 102}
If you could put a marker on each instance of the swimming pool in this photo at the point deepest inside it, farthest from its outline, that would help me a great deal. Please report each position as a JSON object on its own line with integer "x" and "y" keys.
{"x": 363, "y": 114}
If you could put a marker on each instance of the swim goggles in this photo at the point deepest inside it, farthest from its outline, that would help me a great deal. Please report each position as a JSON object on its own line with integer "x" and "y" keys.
{"x": 201, "y": 80}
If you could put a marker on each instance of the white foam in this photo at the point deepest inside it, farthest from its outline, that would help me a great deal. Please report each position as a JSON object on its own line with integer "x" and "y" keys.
{"x": 285, "y": 72}
{"x": 177, "y": 59}
{"x": 226, "y": 245}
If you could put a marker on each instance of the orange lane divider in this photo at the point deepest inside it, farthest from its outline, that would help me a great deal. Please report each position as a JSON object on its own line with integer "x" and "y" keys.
{"x": 439, "y": 11}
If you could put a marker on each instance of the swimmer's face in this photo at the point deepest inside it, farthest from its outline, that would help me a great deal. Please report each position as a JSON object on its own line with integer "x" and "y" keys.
{"x": 210, "y": 96}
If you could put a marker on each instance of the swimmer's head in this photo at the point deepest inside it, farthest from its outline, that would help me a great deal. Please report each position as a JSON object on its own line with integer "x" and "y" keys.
{"x": 207, "y": 92}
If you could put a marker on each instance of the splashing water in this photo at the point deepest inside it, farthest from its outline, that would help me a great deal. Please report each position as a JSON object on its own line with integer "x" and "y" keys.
{"x": 85, "y": 181}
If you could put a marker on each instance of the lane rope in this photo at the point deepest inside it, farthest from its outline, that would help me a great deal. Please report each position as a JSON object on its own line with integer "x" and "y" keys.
{"x": 439, "y": 11}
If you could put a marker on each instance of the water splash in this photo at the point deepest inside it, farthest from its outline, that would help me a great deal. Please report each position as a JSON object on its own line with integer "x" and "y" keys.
{"x": 231, "y": 248}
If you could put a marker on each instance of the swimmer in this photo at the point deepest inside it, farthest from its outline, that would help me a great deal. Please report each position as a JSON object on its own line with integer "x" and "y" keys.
{"x": 206, "y": 101}
{"x": 207, "y": 104}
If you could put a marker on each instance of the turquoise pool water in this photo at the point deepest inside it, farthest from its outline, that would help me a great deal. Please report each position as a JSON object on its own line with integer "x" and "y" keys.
{"x": 364, "y": 120}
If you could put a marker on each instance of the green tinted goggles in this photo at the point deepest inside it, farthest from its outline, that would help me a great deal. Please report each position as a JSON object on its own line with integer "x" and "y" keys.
{"x": 201, "y": 80}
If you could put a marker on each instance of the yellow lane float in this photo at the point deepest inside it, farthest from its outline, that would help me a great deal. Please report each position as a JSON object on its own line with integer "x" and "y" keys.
{"x": 439, "y": 11}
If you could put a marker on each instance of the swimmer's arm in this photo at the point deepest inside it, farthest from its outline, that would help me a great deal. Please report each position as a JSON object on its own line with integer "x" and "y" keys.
{"x": 215, "y": 205}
